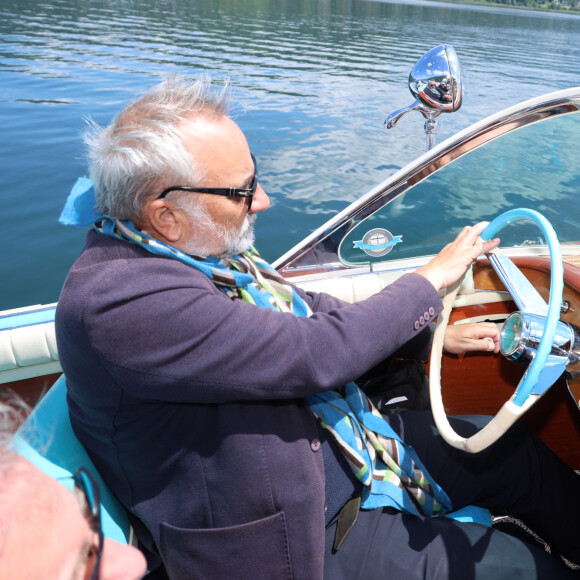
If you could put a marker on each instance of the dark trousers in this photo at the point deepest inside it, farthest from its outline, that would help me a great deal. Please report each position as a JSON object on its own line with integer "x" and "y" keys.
{"x": 518, "y": 475}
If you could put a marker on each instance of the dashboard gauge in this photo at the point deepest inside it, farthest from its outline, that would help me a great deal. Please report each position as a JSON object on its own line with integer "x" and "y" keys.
{"x": 511, "y": 335}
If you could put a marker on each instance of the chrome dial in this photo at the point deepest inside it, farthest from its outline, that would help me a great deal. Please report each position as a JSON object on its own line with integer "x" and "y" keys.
{"x": 511, "y": 335}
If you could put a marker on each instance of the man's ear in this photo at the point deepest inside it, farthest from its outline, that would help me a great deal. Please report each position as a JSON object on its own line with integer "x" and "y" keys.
{"x": 164, "y": 220}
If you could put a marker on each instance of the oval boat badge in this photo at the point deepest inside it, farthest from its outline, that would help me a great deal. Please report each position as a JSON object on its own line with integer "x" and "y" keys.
{"x": 378, "y": 242}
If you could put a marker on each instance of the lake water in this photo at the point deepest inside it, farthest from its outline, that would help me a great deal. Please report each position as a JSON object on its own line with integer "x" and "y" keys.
{"x": 313, "y": 82}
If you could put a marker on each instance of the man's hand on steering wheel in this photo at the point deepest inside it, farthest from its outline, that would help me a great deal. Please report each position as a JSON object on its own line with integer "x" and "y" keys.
{"x": 474, "y": 336}
{"x": 453, "y": 260}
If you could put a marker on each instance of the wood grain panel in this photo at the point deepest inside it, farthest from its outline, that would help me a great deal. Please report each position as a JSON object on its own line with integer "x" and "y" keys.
{"x": 537, "y": 270}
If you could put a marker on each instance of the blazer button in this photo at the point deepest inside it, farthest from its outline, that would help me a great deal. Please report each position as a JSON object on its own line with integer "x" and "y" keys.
{"x": 421, "y": 320}
{"x": 431, "y": 310}
{"x": 315, "y": 444}
{"x": 426, "y": 316}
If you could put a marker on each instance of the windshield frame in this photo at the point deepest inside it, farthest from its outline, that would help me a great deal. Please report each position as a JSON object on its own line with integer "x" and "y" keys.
{"x": 299, "y": 260}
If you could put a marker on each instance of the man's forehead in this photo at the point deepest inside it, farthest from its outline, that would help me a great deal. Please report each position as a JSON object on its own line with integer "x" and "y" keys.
{"x": 27, "y": 501}
{"x": 209, "y": 127}
{"x": 23, "y": 483}
{"x": 36, "y": 509}
{"x": 215, "y": 139}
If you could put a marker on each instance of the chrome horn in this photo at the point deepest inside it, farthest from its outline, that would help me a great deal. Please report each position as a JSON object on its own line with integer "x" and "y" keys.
{"x": 436, "y": 83}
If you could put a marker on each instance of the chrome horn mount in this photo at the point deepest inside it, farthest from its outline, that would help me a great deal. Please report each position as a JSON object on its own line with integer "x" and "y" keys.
{"x": 436, "y": 83}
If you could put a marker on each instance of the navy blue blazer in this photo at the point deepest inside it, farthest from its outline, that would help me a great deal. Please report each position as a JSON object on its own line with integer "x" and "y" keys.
{"x": 190, "y": 405}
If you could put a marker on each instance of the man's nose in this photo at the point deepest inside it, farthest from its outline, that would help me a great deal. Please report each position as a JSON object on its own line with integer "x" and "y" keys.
{"x": 121, "y": 562}
{"x": 261, "y": 200}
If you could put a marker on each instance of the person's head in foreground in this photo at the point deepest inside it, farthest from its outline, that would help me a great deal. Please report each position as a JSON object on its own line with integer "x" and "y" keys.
{"x": 49, "y": 533}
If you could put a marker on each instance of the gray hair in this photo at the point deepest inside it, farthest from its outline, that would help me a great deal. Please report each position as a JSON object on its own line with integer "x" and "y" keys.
{"x": 12, "y": 414}
{"x": 142, "y": 151}
{"x": 12, "y": 485}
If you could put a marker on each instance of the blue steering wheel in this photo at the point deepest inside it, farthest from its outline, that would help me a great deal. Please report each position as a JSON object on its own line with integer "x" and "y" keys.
{"x": 542, "y": 372}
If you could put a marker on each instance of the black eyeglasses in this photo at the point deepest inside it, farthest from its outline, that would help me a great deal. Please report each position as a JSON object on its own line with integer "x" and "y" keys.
{"x": 88, "y": 492}
{"x": 227, "y": 191}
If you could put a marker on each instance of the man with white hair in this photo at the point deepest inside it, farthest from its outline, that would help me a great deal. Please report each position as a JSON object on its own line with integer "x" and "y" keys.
{"x": 46, "y": 532}
{"x": 218, "y": 402}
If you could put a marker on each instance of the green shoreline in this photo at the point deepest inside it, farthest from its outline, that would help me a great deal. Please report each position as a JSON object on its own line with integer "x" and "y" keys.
{"x": 542, "y": 7}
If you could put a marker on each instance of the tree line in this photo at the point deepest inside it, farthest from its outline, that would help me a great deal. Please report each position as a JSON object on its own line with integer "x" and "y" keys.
{"x": 545, "y": 4}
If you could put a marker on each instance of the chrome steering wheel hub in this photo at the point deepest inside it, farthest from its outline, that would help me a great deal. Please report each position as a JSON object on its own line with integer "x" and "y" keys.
{"x": 522, "y": 333}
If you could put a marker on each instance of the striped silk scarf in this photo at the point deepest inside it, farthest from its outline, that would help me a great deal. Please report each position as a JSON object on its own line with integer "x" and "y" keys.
{"x": 391, "y": 473}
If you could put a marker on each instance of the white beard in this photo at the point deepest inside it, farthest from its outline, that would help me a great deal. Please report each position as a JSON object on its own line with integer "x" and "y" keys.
{"x": 241, "y": 241}
{"x": 230, "y": 242}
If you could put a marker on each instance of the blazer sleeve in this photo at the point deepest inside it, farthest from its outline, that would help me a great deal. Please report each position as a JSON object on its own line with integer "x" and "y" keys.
{"x": 165, "y": 332}
{"x": 417, "y": 347}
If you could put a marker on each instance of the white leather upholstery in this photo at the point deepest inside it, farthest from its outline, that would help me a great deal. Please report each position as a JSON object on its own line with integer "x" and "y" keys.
{"x": 28, "y": 351}
{"x": 352, "y": 288}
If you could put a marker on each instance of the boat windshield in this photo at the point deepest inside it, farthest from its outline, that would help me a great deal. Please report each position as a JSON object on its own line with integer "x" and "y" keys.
{"x": 536, "y": 167}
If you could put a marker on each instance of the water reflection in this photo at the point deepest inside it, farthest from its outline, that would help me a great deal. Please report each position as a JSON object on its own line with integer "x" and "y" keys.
{"x": 312, "y": 80}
